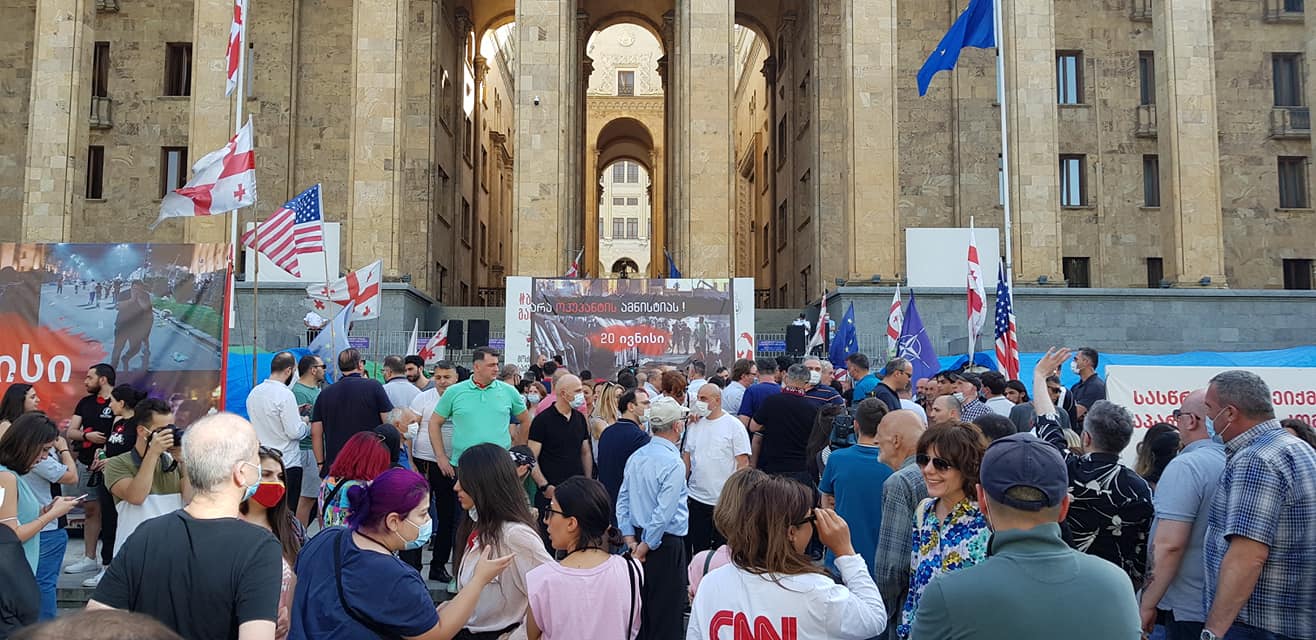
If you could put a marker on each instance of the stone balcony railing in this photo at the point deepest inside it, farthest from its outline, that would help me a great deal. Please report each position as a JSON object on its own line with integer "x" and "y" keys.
{"x": 1290, "y": 122}
{"x": 1140, "y": 10}
{"x": 1146, "y": 127}
{"x": 107, "y": 5}
{"x": 101, "y": 113}
{"x": 1279, "y": 11}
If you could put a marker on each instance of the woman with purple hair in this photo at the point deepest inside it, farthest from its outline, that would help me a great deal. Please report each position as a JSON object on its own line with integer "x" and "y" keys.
{"x": 351, "y": 584}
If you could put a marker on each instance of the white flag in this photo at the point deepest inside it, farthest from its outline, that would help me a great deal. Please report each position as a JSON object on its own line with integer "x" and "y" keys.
{"x": 361, "y": 287}
{"x": 894, "y": 322}
{"x": 222, "y": 181}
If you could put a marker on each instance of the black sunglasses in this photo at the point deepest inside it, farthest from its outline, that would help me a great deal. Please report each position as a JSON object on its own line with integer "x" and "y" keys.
{"x": 809, "y": 519}
{"x": 923, "y": 459}
{"x": 273, "y": 453}
{"x": 549, "y": 510}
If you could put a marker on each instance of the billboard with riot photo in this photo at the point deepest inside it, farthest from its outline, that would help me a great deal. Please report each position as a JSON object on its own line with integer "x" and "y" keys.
{"x": 153, "y": 311}
{"x": 606, "y": 325}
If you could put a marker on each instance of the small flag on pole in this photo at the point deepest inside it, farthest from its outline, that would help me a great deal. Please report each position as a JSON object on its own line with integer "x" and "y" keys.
{"x": 574, "y": 270}
{"x": 915, "y": 345}
{"x": 332, "y": 340}
{"x": 672, "y": 272}
{"x": 437, "y": 347}
{"x": 222, "y": 181}
{"x": 295, "y": 229}
{"x": 846, "y": 340}
{"x": 819, "y": 337}
{"x": 361, "y": 288}
{"x": 894, "y": 321}
{"x": 1007, "y": 342}
{"x": 977, "y": 305}
{"x": 233, "y": 54}
{"x": 415, "y": 337}
{"x": 973, "y": 28}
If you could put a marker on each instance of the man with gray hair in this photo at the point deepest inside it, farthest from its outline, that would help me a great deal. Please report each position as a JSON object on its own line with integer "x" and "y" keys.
{"x": 1112, "y": 507}
{"x": 783, "y": 424}
{"x": 817, "y": 392}
{"x": 229, "y": 570}
{"x": 1260, "y": 569}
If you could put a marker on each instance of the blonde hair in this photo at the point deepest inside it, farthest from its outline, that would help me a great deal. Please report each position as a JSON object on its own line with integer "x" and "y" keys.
{"x": 605, "y": 401}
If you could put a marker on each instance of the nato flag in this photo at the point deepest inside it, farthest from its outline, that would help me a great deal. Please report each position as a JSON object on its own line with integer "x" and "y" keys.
{"x": 972, "y": 29}
{"x": 915, "y": 345}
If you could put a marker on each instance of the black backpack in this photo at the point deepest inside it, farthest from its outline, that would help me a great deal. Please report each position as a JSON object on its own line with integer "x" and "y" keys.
{"x": 842, "y": 430}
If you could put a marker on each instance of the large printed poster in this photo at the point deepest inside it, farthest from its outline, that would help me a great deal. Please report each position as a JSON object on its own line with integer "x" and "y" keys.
{"x": 604, "y": 326}
{"x": 153, "y": 311}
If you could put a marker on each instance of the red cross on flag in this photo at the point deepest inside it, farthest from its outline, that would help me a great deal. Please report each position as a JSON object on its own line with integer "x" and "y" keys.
{"x": 233, "y": 54}
{"x": 360, "y": 287}
{"x": 977, "y": 307}
{"x": 435, "y": 349}
{"x": 222, "y": 181}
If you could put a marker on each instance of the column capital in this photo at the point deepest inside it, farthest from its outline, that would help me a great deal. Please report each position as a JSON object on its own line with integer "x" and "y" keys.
{"x": 662, "y": 72}
{"x": 769, "y": 70}
{"x": 462, "y": 20}
{"x": 586, "y": 67}
{"x": 481, "y": 68}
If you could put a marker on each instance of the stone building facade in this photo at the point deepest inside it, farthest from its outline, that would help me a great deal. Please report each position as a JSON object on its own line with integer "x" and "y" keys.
{"x": 1160, "y": 143}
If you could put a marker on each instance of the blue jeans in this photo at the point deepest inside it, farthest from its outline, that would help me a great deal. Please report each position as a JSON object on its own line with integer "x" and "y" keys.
{"x": 1242, "y": 631}
{"x": 53, "y": 544}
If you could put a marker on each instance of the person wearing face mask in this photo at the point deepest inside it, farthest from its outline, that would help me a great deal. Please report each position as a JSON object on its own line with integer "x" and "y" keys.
{"x": 229, "y": 570}
{"x": 715, "y": 447}
{"x": 351, "y": 584}
{"x": 783, "y": 424}
{"x": 497, "y": 518}
{"x": 621, "y": 439}
{"x": 267, "y": 509}
{"x": 816, "y": 392}
{"x": 559, "y": 437}
{"x": 150, "y": 480}
{"x": 653, "y": 515}
{"x": 272, "y": 409}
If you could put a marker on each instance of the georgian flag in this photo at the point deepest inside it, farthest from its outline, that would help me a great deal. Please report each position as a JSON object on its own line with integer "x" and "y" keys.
{"x": 222, "y": 181}
{"x": 977, "y": 307}
{"x": 361, "y": 288}
{"x": 435, "y": 349}
{"x": 819, "y": 337}
{"x": 233, "y": 54}
{"x": 894, "y": 321}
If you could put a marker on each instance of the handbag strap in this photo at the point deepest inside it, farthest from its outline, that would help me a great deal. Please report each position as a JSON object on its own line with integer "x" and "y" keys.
{"x": 631, "y": 571}
{"x": 342, "y": 598}
{"x": 708, "y": 560}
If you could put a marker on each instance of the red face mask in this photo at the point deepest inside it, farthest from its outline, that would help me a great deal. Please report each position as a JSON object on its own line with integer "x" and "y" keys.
{"x": 269, "y": 494}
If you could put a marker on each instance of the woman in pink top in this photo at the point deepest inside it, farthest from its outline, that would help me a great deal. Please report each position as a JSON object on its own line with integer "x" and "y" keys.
{"x": 592, "y": 594}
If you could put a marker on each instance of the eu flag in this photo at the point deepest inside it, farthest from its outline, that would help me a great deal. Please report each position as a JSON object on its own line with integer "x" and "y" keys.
{"x": 846, "y": 340}
{"x": 914, "y": 344}
{"x": 972, "y": 29}
{"x": 672, "y": 272}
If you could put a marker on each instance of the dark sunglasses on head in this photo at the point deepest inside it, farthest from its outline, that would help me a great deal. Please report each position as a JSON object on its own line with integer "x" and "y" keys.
{"x": 271, "y": 452}
{"x": 923, "y": 459}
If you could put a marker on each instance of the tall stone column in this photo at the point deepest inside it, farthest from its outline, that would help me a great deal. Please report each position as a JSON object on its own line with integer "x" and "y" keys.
{"x": 211, "y": 124}
{"x": 544, "y": 31}
{"x": 1034, "y": 140}
{"x": 375, "y": 172}
{"x": 54, "y": 175}
{"x": 872, "y": 193}
{"x": 1192, "y": 243}
{"x": 707, "y": 86}
{"x": 479, "y": 69}
{"x": 669, "y": 70}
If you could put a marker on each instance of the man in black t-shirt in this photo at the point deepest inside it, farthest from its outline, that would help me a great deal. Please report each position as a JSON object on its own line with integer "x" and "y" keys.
{"x": 345, "y": 408}
{"x": 559, "y": 436}
{"x": 784, "y": 422}
{"x": 89, "y": 430}
{"x": 172, "y": 569}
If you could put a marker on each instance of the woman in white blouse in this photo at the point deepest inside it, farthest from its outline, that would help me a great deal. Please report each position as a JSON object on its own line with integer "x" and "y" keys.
{"x": 498, "y": 517}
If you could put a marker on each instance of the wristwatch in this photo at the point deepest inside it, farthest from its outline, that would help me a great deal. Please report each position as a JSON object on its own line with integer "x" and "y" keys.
{"x": 1207, "y": 635}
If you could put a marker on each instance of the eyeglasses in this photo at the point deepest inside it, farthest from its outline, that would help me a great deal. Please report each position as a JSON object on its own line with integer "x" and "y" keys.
{"x": 809, "y": 519}
{"x": 923, "y": 459}
{"x": 1179, "y": 413}
{"x": 549, "y": 511}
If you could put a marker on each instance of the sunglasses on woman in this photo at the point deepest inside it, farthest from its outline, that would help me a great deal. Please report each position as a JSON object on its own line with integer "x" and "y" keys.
{"x": 812, "y": 518}
{"x": 923, "y": 459}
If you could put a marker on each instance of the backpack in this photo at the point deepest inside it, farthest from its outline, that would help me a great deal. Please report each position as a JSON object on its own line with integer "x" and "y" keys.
{"x": 842, "y": 430}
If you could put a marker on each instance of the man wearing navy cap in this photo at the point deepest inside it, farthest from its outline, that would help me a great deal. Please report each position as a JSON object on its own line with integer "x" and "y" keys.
{"x": 1027, "y": 586}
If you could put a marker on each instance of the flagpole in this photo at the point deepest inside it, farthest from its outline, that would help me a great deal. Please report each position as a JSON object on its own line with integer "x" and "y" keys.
{"x": 255, "y": 296}
{"x": 237, "y": 128}
{"x": 998, "y": 27}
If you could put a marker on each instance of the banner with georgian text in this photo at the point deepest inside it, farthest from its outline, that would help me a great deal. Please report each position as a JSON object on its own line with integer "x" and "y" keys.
{"x": 1152, "y": 394}
{"x": 604, "y": 326}
{"x": 155, "y": 312}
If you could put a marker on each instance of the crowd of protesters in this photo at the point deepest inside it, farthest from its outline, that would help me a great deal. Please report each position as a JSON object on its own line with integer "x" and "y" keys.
{"x": 774, "y": 499}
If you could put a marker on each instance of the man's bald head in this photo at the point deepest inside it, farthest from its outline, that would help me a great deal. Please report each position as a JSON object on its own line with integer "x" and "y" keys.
{"x": 897, "y": 437}
{"x": 1191, "y": 422}
{"x": 711, "y": 395}
{"x": 566, "y": 387}
{"x": 944, "y": 409}
{"x": 213, "y": 447}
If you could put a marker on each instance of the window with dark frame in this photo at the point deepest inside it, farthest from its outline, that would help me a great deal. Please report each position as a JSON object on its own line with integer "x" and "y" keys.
{"x": 95, "y": 172}
{"x": 632, "y": 202}
{"x": 1286, "y": 69}
{"x": 173, "y": 169}
{"x": 625, "y": 83}
{"x": 1297, "y": 273}
{"x": 632, "y": 173}
{"x": 1146, "y": 77}
{"x": 100, "y": 70}
{"x": 1073, "y": 180}
{"x": 781, "y": 140}
{"x": 466, "y": 223}
{"x": 619, "y": 173}
{"x": 178, "y": 69}
{"x": 1069, "y": 77}
{"x": 619, "y": 202}
{"x": 469, "y": 140}
{"x": 1293, "y": 6}
{"x": 1077, "y": 272}
{"x": 1293, "y": 182}
{"x": 1151, "y": 180}
{"x": 782, "y": 211}
{"x": 618, "y": 228}
{"x": 633, "y": 228}
{"x": 1155, "y": 272}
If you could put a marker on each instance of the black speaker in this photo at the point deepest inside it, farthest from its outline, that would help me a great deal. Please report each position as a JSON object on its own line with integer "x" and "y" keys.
{"x": 455, "y": 333}
{"x": 796, "y": 338}
{"x": 477, "y": 334}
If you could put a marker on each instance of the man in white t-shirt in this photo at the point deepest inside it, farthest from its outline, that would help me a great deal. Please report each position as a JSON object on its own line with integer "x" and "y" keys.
{"x": 441, "y": 486}
{"x": 716, "y": 445}
{"x": 695, "y": 374}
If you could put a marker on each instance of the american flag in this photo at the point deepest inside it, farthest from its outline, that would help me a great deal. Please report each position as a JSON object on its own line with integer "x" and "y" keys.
{"x": 295, "y": 229}
{"x": 1007, "y": 344}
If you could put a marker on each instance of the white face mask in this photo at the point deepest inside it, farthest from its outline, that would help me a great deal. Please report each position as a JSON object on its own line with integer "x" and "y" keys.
{"x": 814, "y": 377}
{"x": 959, "y": 396}
{"x": 1073, "y": 366}
{"x": 533, "y": 398}
{"x": 475, "y": 515}
{"x": 578, "y": 400}
{"x": 701, "y": 409}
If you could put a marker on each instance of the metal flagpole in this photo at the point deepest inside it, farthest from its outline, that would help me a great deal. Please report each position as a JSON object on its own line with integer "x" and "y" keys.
{"x": 998, "y": 27}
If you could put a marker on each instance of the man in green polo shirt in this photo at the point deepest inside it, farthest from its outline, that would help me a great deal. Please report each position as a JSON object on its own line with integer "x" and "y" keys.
{"x": 479, "y": 408}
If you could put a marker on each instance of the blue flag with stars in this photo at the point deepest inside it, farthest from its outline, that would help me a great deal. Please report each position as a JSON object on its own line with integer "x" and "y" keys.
{"x": 846, "y": 340}
{"x": 672, "y": 272}
{"x": 972, "y": 29}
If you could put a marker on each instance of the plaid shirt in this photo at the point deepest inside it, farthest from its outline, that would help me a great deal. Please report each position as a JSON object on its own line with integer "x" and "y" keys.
{"x": 1268, "y": 494}
{"x": 1111, "y": 512}
{"x": 973, "y": 409}
{"x": 901, "y": 494}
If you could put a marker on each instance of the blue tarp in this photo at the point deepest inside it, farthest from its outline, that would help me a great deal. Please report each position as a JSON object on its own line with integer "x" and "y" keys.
{"x": 240, "y": 382}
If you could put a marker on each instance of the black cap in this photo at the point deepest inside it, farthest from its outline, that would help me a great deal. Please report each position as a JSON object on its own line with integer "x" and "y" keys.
{"x": 1024, "y": 460}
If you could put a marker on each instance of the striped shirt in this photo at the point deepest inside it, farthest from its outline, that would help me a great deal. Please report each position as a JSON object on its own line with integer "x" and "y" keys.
{"x": 1268, "y": 494}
